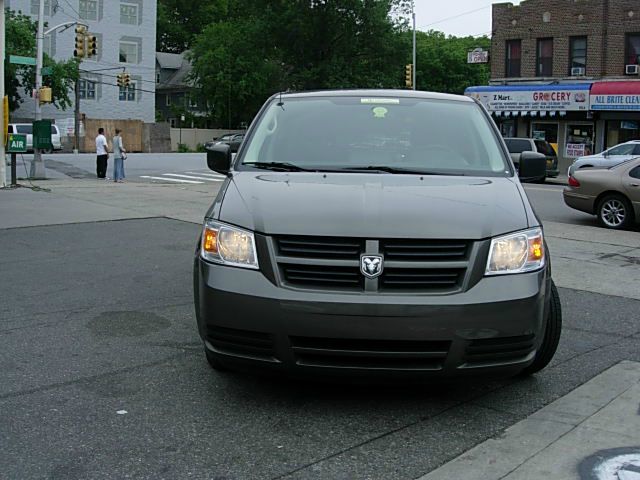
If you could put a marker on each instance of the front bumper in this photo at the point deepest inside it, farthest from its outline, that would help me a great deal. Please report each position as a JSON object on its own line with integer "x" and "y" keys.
{"x": 247, "y": 321}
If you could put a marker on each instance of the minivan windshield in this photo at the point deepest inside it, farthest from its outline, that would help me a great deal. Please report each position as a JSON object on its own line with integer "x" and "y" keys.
{"x": 388, "y": 135}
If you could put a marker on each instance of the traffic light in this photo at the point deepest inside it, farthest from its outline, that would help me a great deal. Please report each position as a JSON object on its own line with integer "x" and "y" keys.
{"x": 120, "y": 79}
{"x": 126, "y": 79}
{"x": 92, "y": 46}
{"x": 408, "y": 75}
{"x": 80, "y": 51}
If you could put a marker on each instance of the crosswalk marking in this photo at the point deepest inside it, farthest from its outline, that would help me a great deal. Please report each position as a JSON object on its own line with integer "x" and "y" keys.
{"x": 177, "y": 180}
{"x": 178, "y": 175}
{"x": 213, "y": 175}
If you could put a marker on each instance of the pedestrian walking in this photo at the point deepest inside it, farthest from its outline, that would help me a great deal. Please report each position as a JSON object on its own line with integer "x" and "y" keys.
{"x": 102, "y": 152}
{"x": 119, "y": 155}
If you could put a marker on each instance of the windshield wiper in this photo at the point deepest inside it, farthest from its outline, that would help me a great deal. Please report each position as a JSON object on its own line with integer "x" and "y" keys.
{"x": 399, "y": 170}
{"x": 279, "y": 166}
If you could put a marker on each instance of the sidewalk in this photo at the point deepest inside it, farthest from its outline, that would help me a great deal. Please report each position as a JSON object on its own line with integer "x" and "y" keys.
{"x": 591, "y": 433}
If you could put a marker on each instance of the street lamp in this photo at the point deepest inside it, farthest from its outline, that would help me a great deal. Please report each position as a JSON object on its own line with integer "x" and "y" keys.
{"x": 413, "y": 16}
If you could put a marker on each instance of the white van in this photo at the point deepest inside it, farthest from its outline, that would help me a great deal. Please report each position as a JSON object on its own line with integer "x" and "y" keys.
{"x": 27, "y": 129}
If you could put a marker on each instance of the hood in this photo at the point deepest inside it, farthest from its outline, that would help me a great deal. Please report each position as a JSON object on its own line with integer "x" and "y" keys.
{"x": 373, "y": 205}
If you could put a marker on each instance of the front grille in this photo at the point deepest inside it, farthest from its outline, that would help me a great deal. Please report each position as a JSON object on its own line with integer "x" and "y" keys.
{"x": 323, "y": 277}
{"x": 242, "y": 343}
{"x": 505, "y": 350}
{"x": 424, "y": 250}
{"x": 421, "y": 279}
{"x": 370, "y": 354}
{"x": 320, "y": 247}
{"x": 411, "y": 265}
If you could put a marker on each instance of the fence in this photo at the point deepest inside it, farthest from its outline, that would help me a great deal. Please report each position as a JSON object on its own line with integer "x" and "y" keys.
{"x": 192, "y": 137}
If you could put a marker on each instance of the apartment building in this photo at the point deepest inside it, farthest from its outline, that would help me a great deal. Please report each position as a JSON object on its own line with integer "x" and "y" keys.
{"x": 126, "y": 34}
{"x": 566, "y": 71}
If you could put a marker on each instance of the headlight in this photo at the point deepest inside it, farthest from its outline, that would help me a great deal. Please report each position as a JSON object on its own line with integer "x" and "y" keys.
{"x": 516, "y": 253}
{"x": 228, "y": 245}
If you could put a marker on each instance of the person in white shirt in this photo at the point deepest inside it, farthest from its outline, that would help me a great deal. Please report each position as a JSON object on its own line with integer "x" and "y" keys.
{"x": 102, "y": 152}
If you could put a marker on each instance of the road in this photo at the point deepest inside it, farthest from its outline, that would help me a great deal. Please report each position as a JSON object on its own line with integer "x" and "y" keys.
{"x": 102, "y": 373}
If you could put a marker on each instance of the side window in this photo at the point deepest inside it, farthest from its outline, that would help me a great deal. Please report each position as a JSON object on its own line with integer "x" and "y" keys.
{"x": 622, "y": 150}
{"x": 636, "y": 151}
{"x": 635, "y": 173}
{"x": 518, "y": 145}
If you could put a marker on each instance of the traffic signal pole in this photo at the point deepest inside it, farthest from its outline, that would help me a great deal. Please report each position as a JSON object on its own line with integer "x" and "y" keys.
{"x": 413, "y": 76}
{"x": 3, "y": 127}
{"x": 37, "y": 165}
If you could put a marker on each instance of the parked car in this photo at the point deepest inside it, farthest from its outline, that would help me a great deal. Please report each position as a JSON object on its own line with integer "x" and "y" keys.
{"x": 27, "y": 129}
{"x": 518, "y": 145}
{"x": 356, "y": 234}
{"x": 613, "y": 194}
{"x": 232, "y": 139}
{"x": 610, "y": 157}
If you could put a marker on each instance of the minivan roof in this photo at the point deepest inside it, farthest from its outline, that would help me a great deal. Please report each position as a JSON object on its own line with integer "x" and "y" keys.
{"x": 376, "y": 93}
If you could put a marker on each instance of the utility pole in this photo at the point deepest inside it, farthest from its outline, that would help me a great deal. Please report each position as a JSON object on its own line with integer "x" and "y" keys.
{"x": 413, "y": 15}
{"x": 3, "y": 127}
{"x": 37, "y": 166}
{"x": 76, "y": 116}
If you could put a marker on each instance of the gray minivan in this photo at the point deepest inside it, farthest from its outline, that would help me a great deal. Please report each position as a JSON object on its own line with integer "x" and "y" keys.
{"x": 374, "y": 232}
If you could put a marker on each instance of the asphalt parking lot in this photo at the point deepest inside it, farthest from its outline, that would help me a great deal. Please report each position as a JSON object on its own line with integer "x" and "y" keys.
{"x": 102, "y": 375}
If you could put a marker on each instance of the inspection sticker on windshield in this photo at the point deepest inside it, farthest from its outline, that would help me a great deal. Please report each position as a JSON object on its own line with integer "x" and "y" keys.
{"x": 380, "y": 101}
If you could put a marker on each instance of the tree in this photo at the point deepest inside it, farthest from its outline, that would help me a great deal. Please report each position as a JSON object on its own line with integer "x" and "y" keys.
{"x": 442, "y": 62}
{"x": 180, "y": 21}
{"x": 20, "y": 79}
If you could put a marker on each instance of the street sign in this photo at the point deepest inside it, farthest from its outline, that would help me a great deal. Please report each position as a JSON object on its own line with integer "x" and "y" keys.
{"x": 17, "y": 143}
{"x": 478, "y": 56}
{"x": 47, "y": 71}
{"x": 18, "y": 60}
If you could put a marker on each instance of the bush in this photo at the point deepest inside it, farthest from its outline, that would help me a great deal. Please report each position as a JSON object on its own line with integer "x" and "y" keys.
{"x": 200, "y": 148}
{"x": 183, "y": 148}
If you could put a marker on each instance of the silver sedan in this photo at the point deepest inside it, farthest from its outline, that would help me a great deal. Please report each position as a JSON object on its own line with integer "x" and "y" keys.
{"x": 610, "y": 157}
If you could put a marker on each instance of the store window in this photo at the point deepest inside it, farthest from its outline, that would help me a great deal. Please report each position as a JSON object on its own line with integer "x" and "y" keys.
{"x": 508, "y": 128}
{"x": 547, "y": 132}
{"x": 544, "y": 63}
{"x": 633, "y": 49}
{"x": 579, "y": 140}
{"x": 513, "y": 56}
{"x": 621, "y": 131}
{"x": 578, "y": 54}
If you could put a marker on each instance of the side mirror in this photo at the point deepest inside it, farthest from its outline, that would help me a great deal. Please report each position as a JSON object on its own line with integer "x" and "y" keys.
{"x": 533, "y": 166}
{"x": 606, "y": 154}
{"x": 219, "y": 158}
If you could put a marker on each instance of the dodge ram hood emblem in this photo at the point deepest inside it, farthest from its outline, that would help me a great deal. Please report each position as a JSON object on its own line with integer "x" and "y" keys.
{"x": 371, "y": 265}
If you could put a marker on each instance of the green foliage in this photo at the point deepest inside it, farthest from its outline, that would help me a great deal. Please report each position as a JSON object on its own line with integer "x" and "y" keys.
{"x": 20, "y": 79}
{"x": 245, "y": 50}
{"x": 183, "y": 148}
{"x": 200, "y": 148}
{"x": 442, "y": 62}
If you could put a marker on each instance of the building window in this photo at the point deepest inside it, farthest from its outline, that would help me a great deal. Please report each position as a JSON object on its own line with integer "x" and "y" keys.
{"x": 129, "y": 13}
{"x": 193, "y": 103}
{"x": 35, "y": 7}
{"x": 513, "y": 56}
{"x": 88, "y": 9}
{"x": 544, "y": 61}
{"x": 633, "y": 49}
{"x": 49, "y": 46}
{"x": 579, "y": 140}
{"x": 87, "y": 89}
{"x": 167, "y": 100}
{"x": 577, "y": 54}
{"x": 157, "y": 77}
{"x": 128, "y": 94}
{"x": 128, "y": 52}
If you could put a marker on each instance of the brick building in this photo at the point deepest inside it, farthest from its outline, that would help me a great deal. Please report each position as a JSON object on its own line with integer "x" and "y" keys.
{"x": 566, "y": 71}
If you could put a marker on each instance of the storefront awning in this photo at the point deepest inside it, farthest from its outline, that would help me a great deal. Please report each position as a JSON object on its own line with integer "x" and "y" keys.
{"x": 533, "y": 98}
{"x": 616, "y": 96}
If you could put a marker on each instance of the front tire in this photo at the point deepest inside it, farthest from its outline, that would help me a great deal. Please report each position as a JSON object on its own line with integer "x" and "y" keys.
{"x": 551, "y": 338}
{"x": 615, "y": 212}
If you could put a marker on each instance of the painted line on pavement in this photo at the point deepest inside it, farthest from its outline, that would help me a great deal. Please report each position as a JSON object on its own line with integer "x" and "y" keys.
{"x": 213, "y": 175}
{"x": 170, "y": 179}
{"x": 178, "y": 175}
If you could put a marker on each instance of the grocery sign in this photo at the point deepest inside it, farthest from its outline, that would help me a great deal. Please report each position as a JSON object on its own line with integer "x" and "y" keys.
{"x": 550, "y": 98}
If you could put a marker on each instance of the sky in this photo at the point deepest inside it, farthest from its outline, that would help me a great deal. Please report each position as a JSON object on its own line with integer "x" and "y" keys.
{"x": 473, "y": 16}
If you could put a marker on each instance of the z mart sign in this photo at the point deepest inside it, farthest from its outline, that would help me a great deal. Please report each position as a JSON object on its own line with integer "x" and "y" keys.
{"x": 16, "y": 143}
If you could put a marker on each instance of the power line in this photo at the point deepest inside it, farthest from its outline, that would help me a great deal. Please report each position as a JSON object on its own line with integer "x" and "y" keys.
{"x": 71, "y": 7}
{"x": 456, "y": 16}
